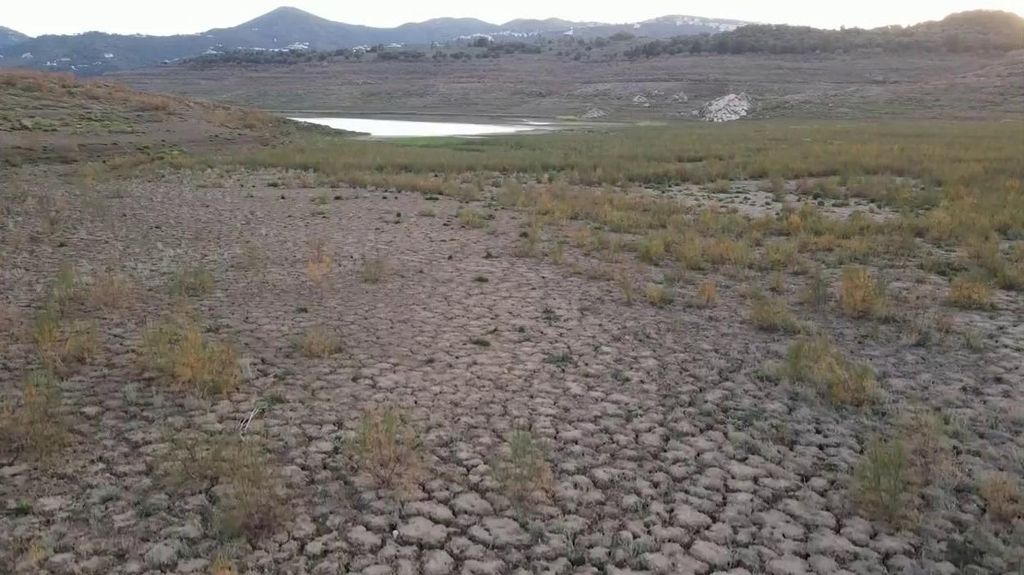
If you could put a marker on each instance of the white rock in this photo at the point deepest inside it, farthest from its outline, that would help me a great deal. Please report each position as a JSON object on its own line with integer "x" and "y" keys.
{"x": 725, "y": 109}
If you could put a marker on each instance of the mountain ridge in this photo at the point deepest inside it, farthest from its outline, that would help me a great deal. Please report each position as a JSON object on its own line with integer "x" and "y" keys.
{"x": 290, "y": 28}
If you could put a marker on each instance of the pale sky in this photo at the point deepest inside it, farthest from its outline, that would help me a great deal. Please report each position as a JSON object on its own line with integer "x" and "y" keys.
{"x": 188, "y": 16}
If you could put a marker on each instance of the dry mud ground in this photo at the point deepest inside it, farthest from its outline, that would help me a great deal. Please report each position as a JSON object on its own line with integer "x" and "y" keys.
{"x": 810, "y": 86}
{"x": 670, "y": 453}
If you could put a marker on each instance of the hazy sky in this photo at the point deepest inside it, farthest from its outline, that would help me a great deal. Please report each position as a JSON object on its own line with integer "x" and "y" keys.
{"x": 187, "y": 16}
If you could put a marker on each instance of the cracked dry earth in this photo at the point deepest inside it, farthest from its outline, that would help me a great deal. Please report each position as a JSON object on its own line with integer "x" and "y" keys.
{"x": 669, "y": 453}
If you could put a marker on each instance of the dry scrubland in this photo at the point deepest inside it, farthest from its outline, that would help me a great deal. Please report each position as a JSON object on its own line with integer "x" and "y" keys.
{"x": 765, "y": 347}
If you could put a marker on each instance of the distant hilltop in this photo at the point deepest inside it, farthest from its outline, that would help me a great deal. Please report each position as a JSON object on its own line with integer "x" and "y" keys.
{"x": 289, "y": 29}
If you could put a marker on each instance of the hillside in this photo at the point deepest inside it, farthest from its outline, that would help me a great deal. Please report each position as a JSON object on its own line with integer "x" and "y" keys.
{"x": 287, "y": 28}
{"x": 56, "y": 118}
{"x": 9, "y": 37}
{"x": 976, "y": 31}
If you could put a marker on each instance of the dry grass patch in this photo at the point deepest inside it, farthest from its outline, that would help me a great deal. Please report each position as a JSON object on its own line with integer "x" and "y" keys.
{"x": 65, "y": 288}
{"x": 771, "y": 314}
{"x": 523, "y": 471}
{"x": 707, "y": 293}
{"x": 47, "y": 327}
{"x": 82, "y": 344}
{"x": 658, "y": 295}
{"x": 817, "y": 363}
{"x": 860, "y": 295}
{"x": 223, "y": 566}
{"x": 190, "y": 281}
{"x": 966, "y": 293}
{"x": 320, "y": 342}
{"x": 319, "y": 264}
{"x": 885, "y": 486}
{"x": 33, "y": 426}
{"x": 652, "y": 249}
{"x": 387, "y": 448}
{"x": 111, "y": 291}
{"x": 816, "y": 292}
{"x": 1002, "y": 496}
{"x": 59, "y": 344}
{"x": 373, "y": 270}
{"x": 250, "y": 498}
{"x": 471, "y": 218}
{"x": 177, "y": 349}
{"x": 892, "y": 473}
{"x": 724, "y": 251}
{"x": 779, "y": 254}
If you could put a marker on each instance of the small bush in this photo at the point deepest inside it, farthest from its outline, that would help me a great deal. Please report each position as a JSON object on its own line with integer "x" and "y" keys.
{"x": 178, "y": 350}
{"x": 320, "y": 342}
{"x": 707, "y": 294}
{"x": 720, "y": 187}
{"x": 523, "y": 471}
{"x": 780, "y": 254}
{"x": 472, "y": 218}
{"x": 47, "y": 335}
{"x": 816, "y": 362}
{"x": 884, "y": 484}
{"x": 690, "y": 252}
{"x": 970, "y": 294}
{"x": 318, "y": 265}
{"x": 651, "y": 249}
{"x": 373, "y": 270}
{"x": 250, "y": 502}
{"x": 723, "y": 251}
{"x": 386, "y": 448}
{"x": 771, "y": 314}
{"x": 1002, "y": 496}
{"x": 625, "y": 284}
{"x": 816, "y": 292}
{"x": 83, "y": 342}
{"x": 111, "y": 291}
{"x": 65, "y": 287}
{"x": 658, "y": 295}
{"x": 33, "y": 428}
{"x": 223, "y": 566}
{"x": 860, "y": 295}
{"x": 190, "y": 281}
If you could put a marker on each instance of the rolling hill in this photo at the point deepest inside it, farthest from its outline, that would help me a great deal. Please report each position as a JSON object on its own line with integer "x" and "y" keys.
{"x": 9, "y": 37}
{"x": 291, "y": 28}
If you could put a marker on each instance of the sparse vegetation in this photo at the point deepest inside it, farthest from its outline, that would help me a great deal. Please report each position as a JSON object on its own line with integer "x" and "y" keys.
{"x": 373, "y": 270}
{"x": 386, "y": 447}
{"x": 771, "y": 314}
{"x": 707, "y": 294}
{"x": 523, "y": 470}
{"x": 33, "y": 427}
{"x": 884, "y": 483}
{"x": 970, "y": 294}
{"x": 658, "y": 295}
{"x": 860, "y": 295}
{"x": 472, "y": 218}
{"x": 320, "y": 342}
{"x": 816, "y": 362}
{"x": 1001, "y": 493}
{"x": 251, "y": 501}
{"x": 190, "y": 281}
{"x": 177, "y": 349}
{"x": 111, "y": 291}
{"x": 319, "y": 264}
{"x": 818, "y": 215}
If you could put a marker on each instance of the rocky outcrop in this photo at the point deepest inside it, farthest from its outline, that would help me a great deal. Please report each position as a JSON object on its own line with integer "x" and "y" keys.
{"x": 725, "y": 109}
